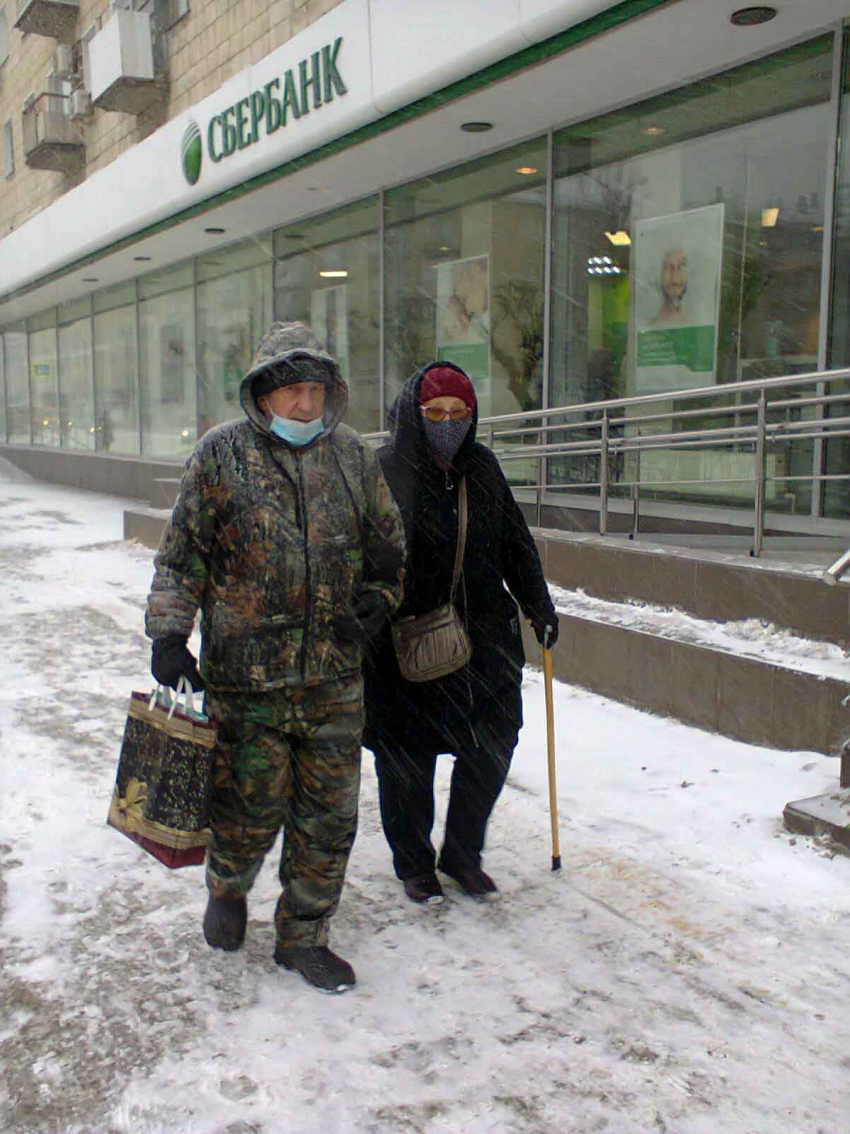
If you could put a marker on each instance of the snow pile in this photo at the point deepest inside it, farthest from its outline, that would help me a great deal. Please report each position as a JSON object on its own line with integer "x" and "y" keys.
{"x": 751, "y": 637}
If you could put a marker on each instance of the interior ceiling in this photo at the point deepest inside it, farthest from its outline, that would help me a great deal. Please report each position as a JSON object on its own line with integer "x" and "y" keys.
{"x": 659, "y": 51}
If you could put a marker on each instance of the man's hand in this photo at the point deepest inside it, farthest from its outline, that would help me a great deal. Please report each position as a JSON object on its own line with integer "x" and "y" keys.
{"x": 368, "y": 615}
{"x": 546, "y": 631}
{"x": 171, "y": 660}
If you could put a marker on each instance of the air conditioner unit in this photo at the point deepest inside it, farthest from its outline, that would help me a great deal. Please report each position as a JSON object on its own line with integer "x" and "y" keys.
{"x": 63, "y": 61}
{"x": 80, "y": 104}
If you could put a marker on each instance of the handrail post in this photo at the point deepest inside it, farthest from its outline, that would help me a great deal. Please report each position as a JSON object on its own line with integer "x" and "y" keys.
{"x": 541, "y": 472}
{"x": 603, "y": 475}
{"x": 758, "y": 526}
{"x": 636, "y": 496}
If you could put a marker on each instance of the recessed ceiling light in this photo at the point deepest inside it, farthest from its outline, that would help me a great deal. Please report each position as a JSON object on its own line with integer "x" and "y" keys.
{"x": 654, "y": 131}
{"x": 748, "y": 17}
{"x": 476, "y": 127}
{"x": 340, "y": 274}
{"x": 141, "y": 257}
{"x": 215, "y": 231}
{"x": 525, "y": 170}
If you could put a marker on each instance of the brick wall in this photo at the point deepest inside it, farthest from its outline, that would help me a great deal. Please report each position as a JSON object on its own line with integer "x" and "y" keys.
{"x": 215, "y": 40}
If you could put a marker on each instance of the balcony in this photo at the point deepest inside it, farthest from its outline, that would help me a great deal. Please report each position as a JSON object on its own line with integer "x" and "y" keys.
{"x": 54, "y": 18}
{"x": 121, "y": 65}
{"x": 51, "y": 139}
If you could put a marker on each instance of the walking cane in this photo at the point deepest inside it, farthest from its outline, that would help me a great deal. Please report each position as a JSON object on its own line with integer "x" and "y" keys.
{"x": 550, "y": 744}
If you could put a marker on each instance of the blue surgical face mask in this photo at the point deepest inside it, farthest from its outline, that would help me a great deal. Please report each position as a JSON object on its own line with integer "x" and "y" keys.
{"x": 296, "y": 432}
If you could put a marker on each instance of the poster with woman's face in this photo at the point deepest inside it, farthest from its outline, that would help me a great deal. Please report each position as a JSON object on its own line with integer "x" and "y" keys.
{"x": 463, "y": 315}
{"x": 329, "y": 320}
{"x": 677, "y": 263}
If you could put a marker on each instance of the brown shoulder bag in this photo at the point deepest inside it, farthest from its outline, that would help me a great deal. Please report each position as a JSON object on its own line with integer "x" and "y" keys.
{"x": 431, "y": 645}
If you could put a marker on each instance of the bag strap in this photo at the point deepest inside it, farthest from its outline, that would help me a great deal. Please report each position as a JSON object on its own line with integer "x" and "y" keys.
{"x": 461, "y": 535}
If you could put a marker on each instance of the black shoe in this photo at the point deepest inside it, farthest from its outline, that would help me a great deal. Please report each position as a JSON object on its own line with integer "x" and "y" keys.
{"x": 224, "y": 923}
{"x": 475, "y": 882}
{"x": 319, "y": 967}
{"x": 424, "y": 888}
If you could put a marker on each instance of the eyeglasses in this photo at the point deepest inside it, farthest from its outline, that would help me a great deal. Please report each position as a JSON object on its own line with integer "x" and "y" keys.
{"x": 435, "y": 414}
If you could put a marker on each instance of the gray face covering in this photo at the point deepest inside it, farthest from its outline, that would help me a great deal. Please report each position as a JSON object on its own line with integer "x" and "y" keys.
{"x": 445, "y": 437}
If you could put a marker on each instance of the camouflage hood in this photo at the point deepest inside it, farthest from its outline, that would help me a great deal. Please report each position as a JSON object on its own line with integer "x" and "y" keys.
{"x": 283, "y": 342}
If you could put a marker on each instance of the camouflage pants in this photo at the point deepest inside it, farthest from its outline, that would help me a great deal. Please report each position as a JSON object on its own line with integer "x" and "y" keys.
{"x": 289, "y": 758}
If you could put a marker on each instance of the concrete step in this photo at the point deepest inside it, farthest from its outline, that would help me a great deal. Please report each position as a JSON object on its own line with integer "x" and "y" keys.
{"x": 822, "y": 815}
{"x": 786, "y": 589}
{"x": 745, "y": 698}
{"x": 164, "y": 491}
{"x": 145, "y": 525}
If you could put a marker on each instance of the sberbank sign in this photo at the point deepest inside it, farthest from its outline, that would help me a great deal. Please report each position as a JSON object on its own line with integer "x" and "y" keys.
{"x": 300, "y": 90}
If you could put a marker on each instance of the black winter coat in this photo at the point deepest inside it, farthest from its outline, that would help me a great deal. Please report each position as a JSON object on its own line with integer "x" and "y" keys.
{"x": 500, "y": 561}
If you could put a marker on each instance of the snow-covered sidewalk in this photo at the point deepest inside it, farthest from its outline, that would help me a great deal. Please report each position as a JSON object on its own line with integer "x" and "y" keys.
{"x": 687, "y": 971}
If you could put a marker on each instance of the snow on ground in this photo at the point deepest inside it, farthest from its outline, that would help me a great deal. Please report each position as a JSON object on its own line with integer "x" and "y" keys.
{"x": 687, "y": 971}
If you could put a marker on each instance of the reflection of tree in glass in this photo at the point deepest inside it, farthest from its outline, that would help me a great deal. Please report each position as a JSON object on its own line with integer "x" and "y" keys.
{"x": 517, "y": 337}
{"x": 411, "y": 339}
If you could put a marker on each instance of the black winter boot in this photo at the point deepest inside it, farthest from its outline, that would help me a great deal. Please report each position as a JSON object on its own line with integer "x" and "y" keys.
{"x": 224, "y": 923}
{"x": 424, "y": 888}
{"x": 319, "y": 967}
{"x": 476, "y": 883}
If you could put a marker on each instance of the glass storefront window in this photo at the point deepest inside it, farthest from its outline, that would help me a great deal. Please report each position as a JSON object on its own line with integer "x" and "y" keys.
{"x": 465, "y": 276}
{"x": 115, "y": 371}
{"x": 326, "y": 275}
{"x": 836, "y": 494}
{"x": 2, "y": 390}
{"x": 44, "y": 387}
{"x": 17, "y": 385}
{"x": 688, "y": 241}
{"x": 234, "y": 298}
{"x": 76, "y": 385}
{"x": 167, "y": 363}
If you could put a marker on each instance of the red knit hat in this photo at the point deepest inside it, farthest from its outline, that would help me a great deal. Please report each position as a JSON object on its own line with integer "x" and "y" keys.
{"x": 445, "y": 381}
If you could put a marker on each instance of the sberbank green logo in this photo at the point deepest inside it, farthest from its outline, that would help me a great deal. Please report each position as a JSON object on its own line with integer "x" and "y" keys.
{"x": 192, "y": 153}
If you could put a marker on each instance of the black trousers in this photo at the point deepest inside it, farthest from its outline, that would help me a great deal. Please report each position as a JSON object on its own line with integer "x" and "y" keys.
{"x": 406, "y": 792}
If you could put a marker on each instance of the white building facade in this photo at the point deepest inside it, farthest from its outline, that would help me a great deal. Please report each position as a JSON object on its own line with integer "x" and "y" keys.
{"x": 573, "y": 199}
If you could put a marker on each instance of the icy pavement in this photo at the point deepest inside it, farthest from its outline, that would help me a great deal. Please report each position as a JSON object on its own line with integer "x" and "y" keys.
{"x": 688, "y": 971}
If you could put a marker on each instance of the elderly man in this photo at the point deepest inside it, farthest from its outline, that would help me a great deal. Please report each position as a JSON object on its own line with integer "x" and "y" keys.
{"x": 286, "y": 537}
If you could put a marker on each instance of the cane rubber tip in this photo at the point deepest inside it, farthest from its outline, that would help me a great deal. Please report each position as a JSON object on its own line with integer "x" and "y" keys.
{"x": 556, "y": 862}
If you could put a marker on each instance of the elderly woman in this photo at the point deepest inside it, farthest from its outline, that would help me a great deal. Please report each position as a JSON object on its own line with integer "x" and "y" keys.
{"x": 474, "y": 713}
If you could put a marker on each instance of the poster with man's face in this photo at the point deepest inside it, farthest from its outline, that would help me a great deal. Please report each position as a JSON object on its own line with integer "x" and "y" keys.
{"x": 463, "y": 319}
{"x": 677, "y": 263}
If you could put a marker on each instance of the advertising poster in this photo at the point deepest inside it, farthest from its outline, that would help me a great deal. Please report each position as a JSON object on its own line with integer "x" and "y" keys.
{"x": 329, "y": 320}
{"x": 677, "y": 264}
{"x": 463, "y": 320}
{"x": 172, "y": 353}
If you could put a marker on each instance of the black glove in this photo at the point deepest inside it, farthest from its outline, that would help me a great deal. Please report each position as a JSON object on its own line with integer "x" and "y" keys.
{"x": 171, "y": 660}
{"x": 367, "y": 616}
{"x": 550, "y": 623}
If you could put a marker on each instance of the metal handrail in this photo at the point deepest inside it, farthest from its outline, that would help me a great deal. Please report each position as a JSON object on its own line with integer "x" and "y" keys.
{"x": 619, "y": 414}
{"x": 835, "y": 570}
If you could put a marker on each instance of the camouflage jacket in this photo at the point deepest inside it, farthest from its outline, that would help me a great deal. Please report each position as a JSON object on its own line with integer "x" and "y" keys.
{"x": 273, "y": 543}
